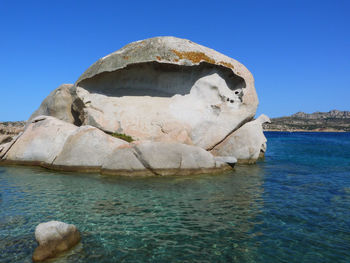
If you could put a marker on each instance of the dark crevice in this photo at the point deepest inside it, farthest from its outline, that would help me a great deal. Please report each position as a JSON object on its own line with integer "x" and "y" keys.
{"x": 77, "y": 110}
{"x": 238, "y": 126}
{"x": 139, "y": 156}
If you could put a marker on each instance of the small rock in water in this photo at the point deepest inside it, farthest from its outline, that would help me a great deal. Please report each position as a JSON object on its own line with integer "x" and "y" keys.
{"x": 54, "y": 237}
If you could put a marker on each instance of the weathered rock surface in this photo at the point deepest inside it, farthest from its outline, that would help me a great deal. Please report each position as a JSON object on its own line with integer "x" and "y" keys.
{"x": 161, "y": 158}
{"x": 124, "y": 162}
{"x": 87, "y": 147}
{"x": 59, "y": 145}
{"x": 54, "y": 237}
{"x": 246, "y": 143}
{"x": 57, "y": 104}
{"x": 199, "y": 96}
{"x": 42, "y": 141}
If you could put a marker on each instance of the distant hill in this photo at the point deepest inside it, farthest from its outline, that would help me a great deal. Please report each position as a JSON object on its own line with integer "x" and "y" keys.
{"x": 334, "y": 120}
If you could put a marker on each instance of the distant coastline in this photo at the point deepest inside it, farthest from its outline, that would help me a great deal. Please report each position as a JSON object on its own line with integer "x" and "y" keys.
{"x": 332, "y": 121}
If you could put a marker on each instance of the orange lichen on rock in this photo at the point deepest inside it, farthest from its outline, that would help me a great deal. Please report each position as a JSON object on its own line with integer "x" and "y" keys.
{"x": 159, "y": 58}
{"x": 195, "y": 57}
{"x": 226, "y": 64}
{"x": 126, "y": 57}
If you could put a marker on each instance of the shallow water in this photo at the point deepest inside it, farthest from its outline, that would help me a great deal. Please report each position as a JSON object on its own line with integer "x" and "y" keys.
{"x": 292, "y": 207}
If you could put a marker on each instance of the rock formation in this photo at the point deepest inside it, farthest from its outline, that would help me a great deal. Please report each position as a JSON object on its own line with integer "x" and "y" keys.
{"x": 180, "y": 102}
{"x": 53, "y": 238}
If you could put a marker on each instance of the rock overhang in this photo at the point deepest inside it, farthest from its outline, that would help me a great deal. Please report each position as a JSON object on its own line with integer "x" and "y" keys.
{"x": 167, "y": 54}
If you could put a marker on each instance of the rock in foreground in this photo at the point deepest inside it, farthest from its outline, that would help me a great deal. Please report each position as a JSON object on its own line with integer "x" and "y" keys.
{"x": 53, "y": 238}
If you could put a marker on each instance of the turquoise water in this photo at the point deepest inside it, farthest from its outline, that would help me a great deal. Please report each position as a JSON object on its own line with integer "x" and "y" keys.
{"x": 292, "y": 207}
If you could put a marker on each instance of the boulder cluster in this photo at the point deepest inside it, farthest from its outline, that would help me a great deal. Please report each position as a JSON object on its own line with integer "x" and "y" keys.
{"x": 155, "y": 107}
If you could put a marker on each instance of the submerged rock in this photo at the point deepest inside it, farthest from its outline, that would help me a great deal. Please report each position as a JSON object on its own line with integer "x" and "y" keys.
{"x": 53, "y": 238}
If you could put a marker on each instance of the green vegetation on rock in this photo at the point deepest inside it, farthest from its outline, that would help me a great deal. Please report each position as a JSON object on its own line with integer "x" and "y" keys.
{"x": 122, "y": 136}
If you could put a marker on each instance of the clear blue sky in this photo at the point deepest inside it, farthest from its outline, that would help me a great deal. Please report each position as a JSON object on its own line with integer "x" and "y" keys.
{"x": 298, "y": 51}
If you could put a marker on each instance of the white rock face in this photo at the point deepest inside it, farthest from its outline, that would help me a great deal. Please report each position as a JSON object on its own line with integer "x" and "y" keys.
{"x": 167, "y": 89}
{"x": 246, "y": 143}
{"x": 87, "y": 146}
{"x": 203, "y": 117}
{"x": 41, "y": 141}
{"x": 160, "y": 158}
{"x": 54, "y": 237}
{"x": 124, "y": 162}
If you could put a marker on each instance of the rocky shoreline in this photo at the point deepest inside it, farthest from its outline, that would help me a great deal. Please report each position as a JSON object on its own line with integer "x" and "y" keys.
{"x": 332, "y": 121}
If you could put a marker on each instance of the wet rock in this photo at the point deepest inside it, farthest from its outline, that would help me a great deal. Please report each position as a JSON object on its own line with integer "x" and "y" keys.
{"x": 230, "y": 160}
{"x": 53, "y": 238}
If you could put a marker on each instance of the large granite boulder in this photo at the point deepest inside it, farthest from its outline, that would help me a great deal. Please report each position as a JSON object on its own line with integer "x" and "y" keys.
{"x": 188, "y": 108}
{"x": 53, "y": 238}
{"x": 167, "y": 89}
{"x": 246, "y": 144}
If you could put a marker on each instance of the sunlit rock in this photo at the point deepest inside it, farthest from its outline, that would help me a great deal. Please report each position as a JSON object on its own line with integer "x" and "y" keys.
{"x": 180, "y": 102}
{"x": 246, "y": 143}
{"x": 42, "y": 140}
{"x": 86, "y": 148}
{"x": 57, "y": 104}
{"x": 53, "y": 238}
{"x": 161, "y": 158}
{"x": 151, "y": 85}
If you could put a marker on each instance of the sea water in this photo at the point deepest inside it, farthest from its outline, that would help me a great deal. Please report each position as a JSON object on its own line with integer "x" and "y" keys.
{"x": 294, "y": 206}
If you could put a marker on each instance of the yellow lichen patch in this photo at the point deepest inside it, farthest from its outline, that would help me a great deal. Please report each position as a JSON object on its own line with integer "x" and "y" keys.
{"x": 226, "y": 64}
{"x": 126, "y": 57}
{"x": 195, "y": 57}
{"x": 176, "y": 60}
{"x": 159, "y": 58}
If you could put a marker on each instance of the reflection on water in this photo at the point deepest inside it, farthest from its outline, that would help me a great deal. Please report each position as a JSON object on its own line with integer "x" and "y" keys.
{"x": 293, "y": 207}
